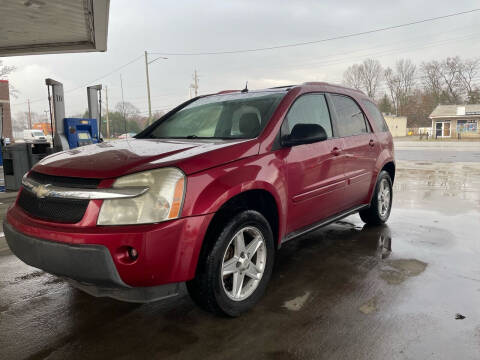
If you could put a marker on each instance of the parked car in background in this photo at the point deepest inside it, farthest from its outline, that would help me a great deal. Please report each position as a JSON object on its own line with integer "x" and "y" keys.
{"x": 206, "y": 195}
{"x": 129, "y": 135}
{"x": 33, "y": 136}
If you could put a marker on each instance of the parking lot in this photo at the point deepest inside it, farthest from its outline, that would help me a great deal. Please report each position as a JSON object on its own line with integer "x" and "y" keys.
{"x": 345, "y": 291}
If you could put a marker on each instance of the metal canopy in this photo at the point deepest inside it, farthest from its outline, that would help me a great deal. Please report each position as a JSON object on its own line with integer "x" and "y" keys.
{"x": 29, "y": 27}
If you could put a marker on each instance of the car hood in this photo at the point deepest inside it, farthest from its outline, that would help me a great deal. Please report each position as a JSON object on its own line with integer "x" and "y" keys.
{"x": 117, "y": 158}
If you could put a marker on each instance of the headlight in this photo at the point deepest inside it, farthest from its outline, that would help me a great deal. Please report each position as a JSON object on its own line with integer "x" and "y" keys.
{"x": 163, "y": 201}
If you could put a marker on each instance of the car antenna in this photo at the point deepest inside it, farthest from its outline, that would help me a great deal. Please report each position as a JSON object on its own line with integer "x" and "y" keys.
{"x": 246, "y": 88}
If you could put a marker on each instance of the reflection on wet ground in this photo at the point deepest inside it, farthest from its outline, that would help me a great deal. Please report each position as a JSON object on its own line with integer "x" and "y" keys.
{"x": 430, "y": 185}
{"x": 347, "y": 291}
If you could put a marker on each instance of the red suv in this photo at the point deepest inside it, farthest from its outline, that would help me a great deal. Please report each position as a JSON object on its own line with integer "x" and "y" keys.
{"x": 206, "y": 195}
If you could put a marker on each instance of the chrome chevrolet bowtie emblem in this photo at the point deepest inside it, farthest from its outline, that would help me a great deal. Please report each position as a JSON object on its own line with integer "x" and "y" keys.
{"x": 41, "y": 191}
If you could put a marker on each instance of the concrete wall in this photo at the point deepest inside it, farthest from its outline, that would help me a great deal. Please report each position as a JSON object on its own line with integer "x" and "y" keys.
{"x": 5, "y": 109}
{"x": 397, "y": 125}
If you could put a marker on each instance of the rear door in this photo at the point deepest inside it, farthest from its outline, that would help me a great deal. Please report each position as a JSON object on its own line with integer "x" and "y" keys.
{"x": 360, "y": 149}
{"x": 315, "y": 171}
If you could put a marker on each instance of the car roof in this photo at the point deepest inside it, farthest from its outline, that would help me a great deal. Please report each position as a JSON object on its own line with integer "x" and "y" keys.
{"x": 312, "y": 86}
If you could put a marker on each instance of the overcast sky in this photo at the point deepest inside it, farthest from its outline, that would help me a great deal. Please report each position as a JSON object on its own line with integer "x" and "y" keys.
{"x": 196, "y": 26}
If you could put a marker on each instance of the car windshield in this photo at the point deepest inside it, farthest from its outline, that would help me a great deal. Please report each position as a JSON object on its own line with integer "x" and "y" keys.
{"x": 38, "y": 133}
{"x": 227, "y": 116}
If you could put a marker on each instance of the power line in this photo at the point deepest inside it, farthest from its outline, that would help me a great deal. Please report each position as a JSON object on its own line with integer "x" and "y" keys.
{"x": 87, "y": 83}
{"x": 106, "y": 75}
{"x": 238, "y": 51}
{"x": 348, "y": 57}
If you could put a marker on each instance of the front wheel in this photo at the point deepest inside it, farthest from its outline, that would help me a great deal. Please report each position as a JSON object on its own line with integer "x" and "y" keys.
{"x": 234, "y": 273}
{"x": 381, "y": 203}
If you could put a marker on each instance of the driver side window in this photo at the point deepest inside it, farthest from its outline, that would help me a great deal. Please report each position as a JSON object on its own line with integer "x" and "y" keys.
{"x": 309, "y": 109}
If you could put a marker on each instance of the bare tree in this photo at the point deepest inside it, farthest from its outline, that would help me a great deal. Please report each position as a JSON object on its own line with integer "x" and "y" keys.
{"x": 127, "y": 109}
{"x": 406, "y": 71}
{"x": 366, "y": 76}
{"x": 352, "y": 77}
{"x": 432, "y": 78}
{"x": 451, "y": 77}
{"x": 401, "y": 83}
{"x": 5, "y": 69}
{"x": 467, "y": 73}
{"x": 371, "y": 71}
{"x": 394, "y": 87}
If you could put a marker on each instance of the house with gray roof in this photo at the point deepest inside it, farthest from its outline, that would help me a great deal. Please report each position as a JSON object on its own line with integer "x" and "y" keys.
{"x": 452, "y": 121}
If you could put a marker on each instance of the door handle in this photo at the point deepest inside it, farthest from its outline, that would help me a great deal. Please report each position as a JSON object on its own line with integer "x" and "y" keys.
{"x": 336, "y": 151}
{"x": 371, "y": 142}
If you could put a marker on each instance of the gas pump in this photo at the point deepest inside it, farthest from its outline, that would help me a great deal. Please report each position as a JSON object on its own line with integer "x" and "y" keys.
{"x": 57, "y": 113}
{"x": 80, "y": 132}
{"x": 70, "y": 133}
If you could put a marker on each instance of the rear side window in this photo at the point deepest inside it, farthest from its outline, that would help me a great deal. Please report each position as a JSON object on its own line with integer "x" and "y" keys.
{"x": 376, "y": 116}
{"x": 350, "y": 118}
{"x": 309, "y": 109}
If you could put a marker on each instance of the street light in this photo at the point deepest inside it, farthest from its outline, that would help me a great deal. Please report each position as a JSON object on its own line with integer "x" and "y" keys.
{"x": 148, "y": 83}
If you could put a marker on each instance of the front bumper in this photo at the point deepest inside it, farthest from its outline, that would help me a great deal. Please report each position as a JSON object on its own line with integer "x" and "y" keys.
{"x": 84, "y": 263}
{"x": 88, "y": 267}
{"x": 91, "y": 254}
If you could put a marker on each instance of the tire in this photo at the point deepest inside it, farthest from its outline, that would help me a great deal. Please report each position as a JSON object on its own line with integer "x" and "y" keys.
{"x": 214, "y": 291}
{"x": 375, "y": 214}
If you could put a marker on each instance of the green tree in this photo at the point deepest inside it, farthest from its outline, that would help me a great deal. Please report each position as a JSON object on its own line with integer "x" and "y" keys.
{"x": 385, "y": 106}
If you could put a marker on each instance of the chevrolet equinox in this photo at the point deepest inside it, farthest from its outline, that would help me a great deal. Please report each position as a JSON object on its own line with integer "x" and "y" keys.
{"x": 206, "y": 195}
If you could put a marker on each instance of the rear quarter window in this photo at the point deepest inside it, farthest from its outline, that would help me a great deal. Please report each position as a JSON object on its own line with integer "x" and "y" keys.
{"x": 350, "y": 118}
{"x": 376, "y": 116}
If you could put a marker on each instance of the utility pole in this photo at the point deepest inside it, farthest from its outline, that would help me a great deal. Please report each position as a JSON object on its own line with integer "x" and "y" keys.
{"x": 148, "y": 83}
{"x": 46, "y": 118}
{"x": 148, "y": 88}
{"x": 123, "y": 106}
{"x": 106, "y": 104}
{"x": 195, "y": 83}
{"x": 29, "y": 115}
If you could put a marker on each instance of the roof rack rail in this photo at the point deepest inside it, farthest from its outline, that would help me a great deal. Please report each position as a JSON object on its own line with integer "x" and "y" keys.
{"x": 282, "y": 87}
{"x": 226, "y": 92}
{"x": 333, "y": 85}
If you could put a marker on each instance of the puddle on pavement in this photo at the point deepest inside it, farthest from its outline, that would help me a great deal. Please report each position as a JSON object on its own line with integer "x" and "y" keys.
{"x": 369, "y": 307}
{"x": 297, "y": 303}
{"x": 397, "y": 271}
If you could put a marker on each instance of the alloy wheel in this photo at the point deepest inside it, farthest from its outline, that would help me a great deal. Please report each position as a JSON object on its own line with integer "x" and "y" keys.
{"x": 243, "y": 263}
{"x": 384, "y": 198}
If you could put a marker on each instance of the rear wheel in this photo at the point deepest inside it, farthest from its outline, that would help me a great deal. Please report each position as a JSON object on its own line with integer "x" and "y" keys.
{"x": 381, "y": 203}
{"x": 234, "y": 273}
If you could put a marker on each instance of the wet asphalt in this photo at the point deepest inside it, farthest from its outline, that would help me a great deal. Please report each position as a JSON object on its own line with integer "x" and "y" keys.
{"x": 346, "y": 291}
{"x": 438, "y": 155}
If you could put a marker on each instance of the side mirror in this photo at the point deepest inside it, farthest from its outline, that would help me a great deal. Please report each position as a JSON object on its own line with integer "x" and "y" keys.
{"x": 305, "y": 134}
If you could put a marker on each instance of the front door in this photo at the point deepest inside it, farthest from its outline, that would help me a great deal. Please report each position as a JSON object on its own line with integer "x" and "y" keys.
{"x": 442, "y": 129}
{"x": 438, "y": 129}
{"x": 446, "y": 129}
{"x": 360, "y": 149}
{"x": 315, "y": 171}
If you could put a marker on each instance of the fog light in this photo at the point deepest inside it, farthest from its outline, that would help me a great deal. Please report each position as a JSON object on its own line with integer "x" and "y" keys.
{"x": 133, "y": 253}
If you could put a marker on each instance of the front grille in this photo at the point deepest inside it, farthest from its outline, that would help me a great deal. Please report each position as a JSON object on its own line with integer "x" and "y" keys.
{"x": 50, "y": 209}
{"x": 64, "y": 181}
{"x": 59, "y": 210}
